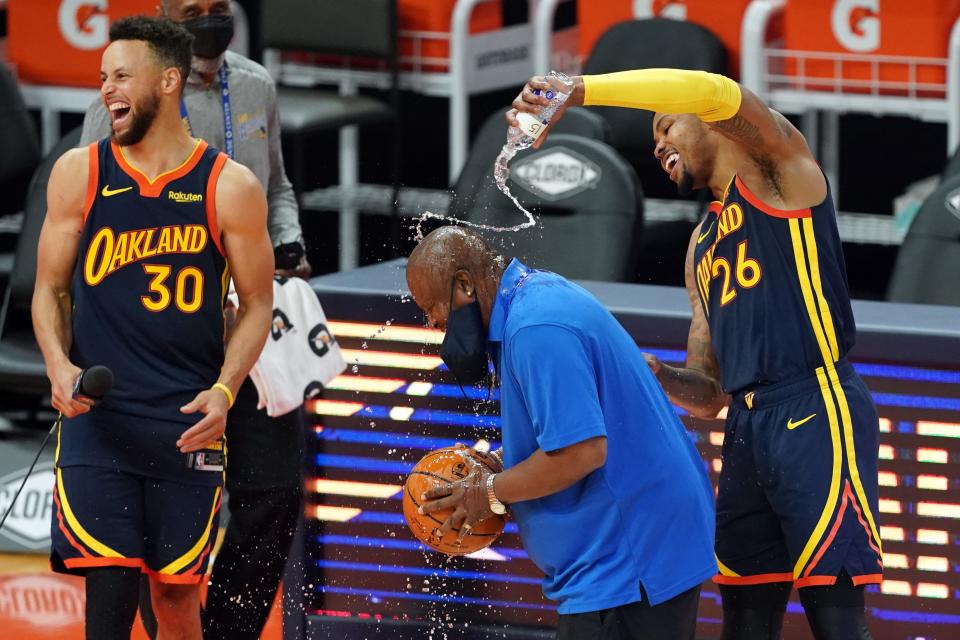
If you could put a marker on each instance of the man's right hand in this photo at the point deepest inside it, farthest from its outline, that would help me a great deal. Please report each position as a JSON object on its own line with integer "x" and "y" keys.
{"x": 62, "y": 380}
{"x": 533, "y": 103}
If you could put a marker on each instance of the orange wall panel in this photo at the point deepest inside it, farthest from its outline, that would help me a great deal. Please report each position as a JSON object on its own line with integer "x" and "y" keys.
{"x": 918, "y": 28}
{"x": 61, "y": 41}
{"x": 434, "y": 16}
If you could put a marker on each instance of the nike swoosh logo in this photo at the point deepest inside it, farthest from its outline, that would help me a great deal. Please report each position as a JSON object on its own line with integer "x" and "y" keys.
{"x": 793, "y": 425}
{"x": 107, "y": 191}
{"x": 703, "y": 236}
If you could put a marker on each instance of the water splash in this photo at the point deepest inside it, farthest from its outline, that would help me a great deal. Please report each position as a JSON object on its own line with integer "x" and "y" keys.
{"x": 501, "y": 173}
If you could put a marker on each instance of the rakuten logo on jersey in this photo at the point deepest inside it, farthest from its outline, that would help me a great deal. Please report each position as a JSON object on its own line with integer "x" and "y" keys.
{"x": 856, "y": 24}
{"x": 42, "y": 600}
{"x": 84, "y": 23}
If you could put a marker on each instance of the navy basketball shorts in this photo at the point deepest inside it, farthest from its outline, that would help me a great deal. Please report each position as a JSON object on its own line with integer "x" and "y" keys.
{"x": 797, "y": 499}
{"x": 107, "y": 517}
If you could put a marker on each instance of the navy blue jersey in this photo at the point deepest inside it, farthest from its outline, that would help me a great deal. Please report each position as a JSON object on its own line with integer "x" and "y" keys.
{"x": 773, "y": 285}
{"x": 149, "y": 284}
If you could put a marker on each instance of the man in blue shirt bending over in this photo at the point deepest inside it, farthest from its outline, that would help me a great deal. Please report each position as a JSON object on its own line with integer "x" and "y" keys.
{"x": 611, "y": 498}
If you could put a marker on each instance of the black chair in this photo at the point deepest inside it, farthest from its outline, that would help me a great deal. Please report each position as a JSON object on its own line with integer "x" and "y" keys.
{"x": 22, "y": 369}
{"x": 646, "y": 44}
{"x": 952, "y": 167}
{"x": 20, "y": 151}
{"x": 588, "y": 202}
{"x": 490, "y": 139}
{"x": 354, "y": 28}
{"x": 649, "y": 44}
{"x": 929, "y": 259}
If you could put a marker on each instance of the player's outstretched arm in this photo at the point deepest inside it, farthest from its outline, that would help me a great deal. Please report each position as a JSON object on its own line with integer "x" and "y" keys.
{"x": 782, "y": 168}
{"x": 56, "y": 259}
{"x": 242, "y": 218}
{"x": 695, "y": 388}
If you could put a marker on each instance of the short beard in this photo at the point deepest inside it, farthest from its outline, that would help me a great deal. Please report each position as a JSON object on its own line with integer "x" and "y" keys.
{"x": 206, "y": 66}
{"x": 143, "y": 118}
{"x": 685, "y": 186}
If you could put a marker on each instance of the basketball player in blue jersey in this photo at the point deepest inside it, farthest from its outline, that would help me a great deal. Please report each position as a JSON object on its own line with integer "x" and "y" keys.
{"x": 143, "y": 230}
{"x": 772, "y": 325}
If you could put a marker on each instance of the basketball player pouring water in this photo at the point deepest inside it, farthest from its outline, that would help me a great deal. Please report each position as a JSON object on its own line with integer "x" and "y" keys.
{"x": 771, "y": 328}
{"x": 143, "y": 230}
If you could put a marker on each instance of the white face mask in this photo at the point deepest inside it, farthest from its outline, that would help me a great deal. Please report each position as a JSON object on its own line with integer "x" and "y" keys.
{"x": 206, "y": 66}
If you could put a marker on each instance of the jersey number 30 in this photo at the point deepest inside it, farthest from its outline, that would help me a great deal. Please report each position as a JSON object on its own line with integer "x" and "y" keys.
{"x": 187, "y": 290}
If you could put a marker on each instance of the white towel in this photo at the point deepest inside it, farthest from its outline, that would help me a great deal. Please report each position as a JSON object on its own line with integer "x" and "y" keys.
{"x": 301, "y": 355}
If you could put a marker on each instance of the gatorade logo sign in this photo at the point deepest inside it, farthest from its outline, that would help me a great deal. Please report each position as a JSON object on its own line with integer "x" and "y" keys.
{"x": 84, "y": 23}
{"x": 856, "y": 24}
{"x": 674, "y": 9}
{"x": 556, "y": 173}
{"x": 29, "y": 523}
{"x": 42, "y": 601}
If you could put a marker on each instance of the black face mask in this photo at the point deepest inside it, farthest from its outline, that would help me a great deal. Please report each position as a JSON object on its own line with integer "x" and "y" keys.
{"x": 211, "y": 34}
{"x": 464, "y": 347}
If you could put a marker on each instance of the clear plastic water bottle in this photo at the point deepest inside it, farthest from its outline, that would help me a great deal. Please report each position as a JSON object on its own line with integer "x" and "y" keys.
{"x": 531, "y": 127}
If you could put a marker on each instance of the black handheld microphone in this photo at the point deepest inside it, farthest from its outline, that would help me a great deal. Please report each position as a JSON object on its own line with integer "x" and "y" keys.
{"x": 93, "y": 383}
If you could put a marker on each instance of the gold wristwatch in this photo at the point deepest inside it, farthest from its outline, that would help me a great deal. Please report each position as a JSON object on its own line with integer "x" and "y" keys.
{"x": 495, "y": 505}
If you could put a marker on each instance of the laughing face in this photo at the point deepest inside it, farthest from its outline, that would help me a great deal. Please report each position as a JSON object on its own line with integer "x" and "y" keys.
{"x": 132, "y": 79}
{"x": 684, "y": 150}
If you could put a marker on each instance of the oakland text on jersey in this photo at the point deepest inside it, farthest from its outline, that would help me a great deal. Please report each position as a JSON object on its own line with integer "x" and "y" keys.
{"x": 109, "y": 250}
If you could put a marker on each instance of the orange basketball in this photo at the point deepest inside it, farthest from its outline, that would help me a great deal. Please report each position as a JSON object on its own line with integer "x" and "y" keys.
{"x": 435, "y": 468}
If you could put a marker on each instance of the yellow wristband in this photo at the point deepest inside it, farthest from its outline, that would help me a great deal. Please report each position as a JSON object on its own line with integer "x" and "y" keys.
{"x": 226, "y": 392}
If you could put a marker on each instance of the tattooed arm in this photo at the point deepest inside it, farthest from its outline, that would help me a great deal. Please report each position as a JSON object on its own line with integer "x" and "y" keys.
{"x": 695, "y": 388}
{"x": 782, "y": 171}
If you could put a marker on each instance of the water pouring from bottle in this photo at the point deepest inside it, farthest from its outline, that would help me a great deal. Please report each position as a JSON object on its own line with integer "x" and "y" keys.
{"x": 518, "y": 138}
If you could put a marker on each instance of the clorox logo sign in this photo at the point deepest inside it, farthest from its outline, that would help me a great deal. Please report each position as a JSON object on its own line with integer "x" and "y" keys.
{"x": 556, "y": 174}
{"x": 29, "y": 522}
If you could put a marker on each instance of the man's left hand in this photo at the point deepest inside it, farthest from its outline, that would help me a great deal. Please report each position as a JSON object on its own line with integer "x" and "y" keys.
{"x": 213, "y": 404}
{"x": 302, "y": 270}
{"x": 467, "y": 498}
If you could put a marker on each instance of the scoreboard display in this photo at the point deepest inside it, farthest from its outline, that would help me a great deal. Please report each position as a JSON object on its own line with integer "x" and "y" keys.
{"x": 396, "y": 401}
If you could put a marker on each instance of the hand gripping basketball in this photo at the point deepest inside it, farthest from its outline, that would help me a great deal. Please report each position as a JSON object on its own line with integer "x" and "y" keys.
{"x": 467, "y": 498}
{"x": 445, "y": 502}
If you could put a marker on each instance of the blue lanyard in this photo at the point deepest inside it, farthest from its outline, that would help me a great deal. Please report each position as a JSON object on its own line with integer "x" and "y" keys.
{"x": 227, "y": 113}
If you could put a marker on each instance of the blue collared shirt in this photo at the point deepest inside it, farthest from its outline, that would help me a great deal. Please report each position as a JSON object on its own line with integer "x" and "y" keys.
{"x": 569, "y": 372}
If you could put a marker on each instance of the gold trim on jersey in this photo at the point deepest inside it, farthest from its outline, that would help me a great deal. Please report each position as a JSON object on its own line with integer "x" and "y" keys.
{"x": 201, "y": 543}
{"x": 821, "y": 320}
{"x": 77, "y": 528}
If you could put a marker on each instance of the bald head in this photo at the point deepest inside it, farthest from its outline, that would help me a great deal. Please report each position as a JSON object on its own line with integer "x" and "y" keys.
{"x": 453, "y": 263}
{"x": 450, "y": 248}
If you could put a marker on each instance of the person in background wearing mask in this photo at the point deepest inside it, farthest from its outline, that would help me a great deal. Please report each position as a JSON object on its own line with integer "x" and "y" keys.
{"x": 610, "y": 495}
{"x": 230, "y": 101}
